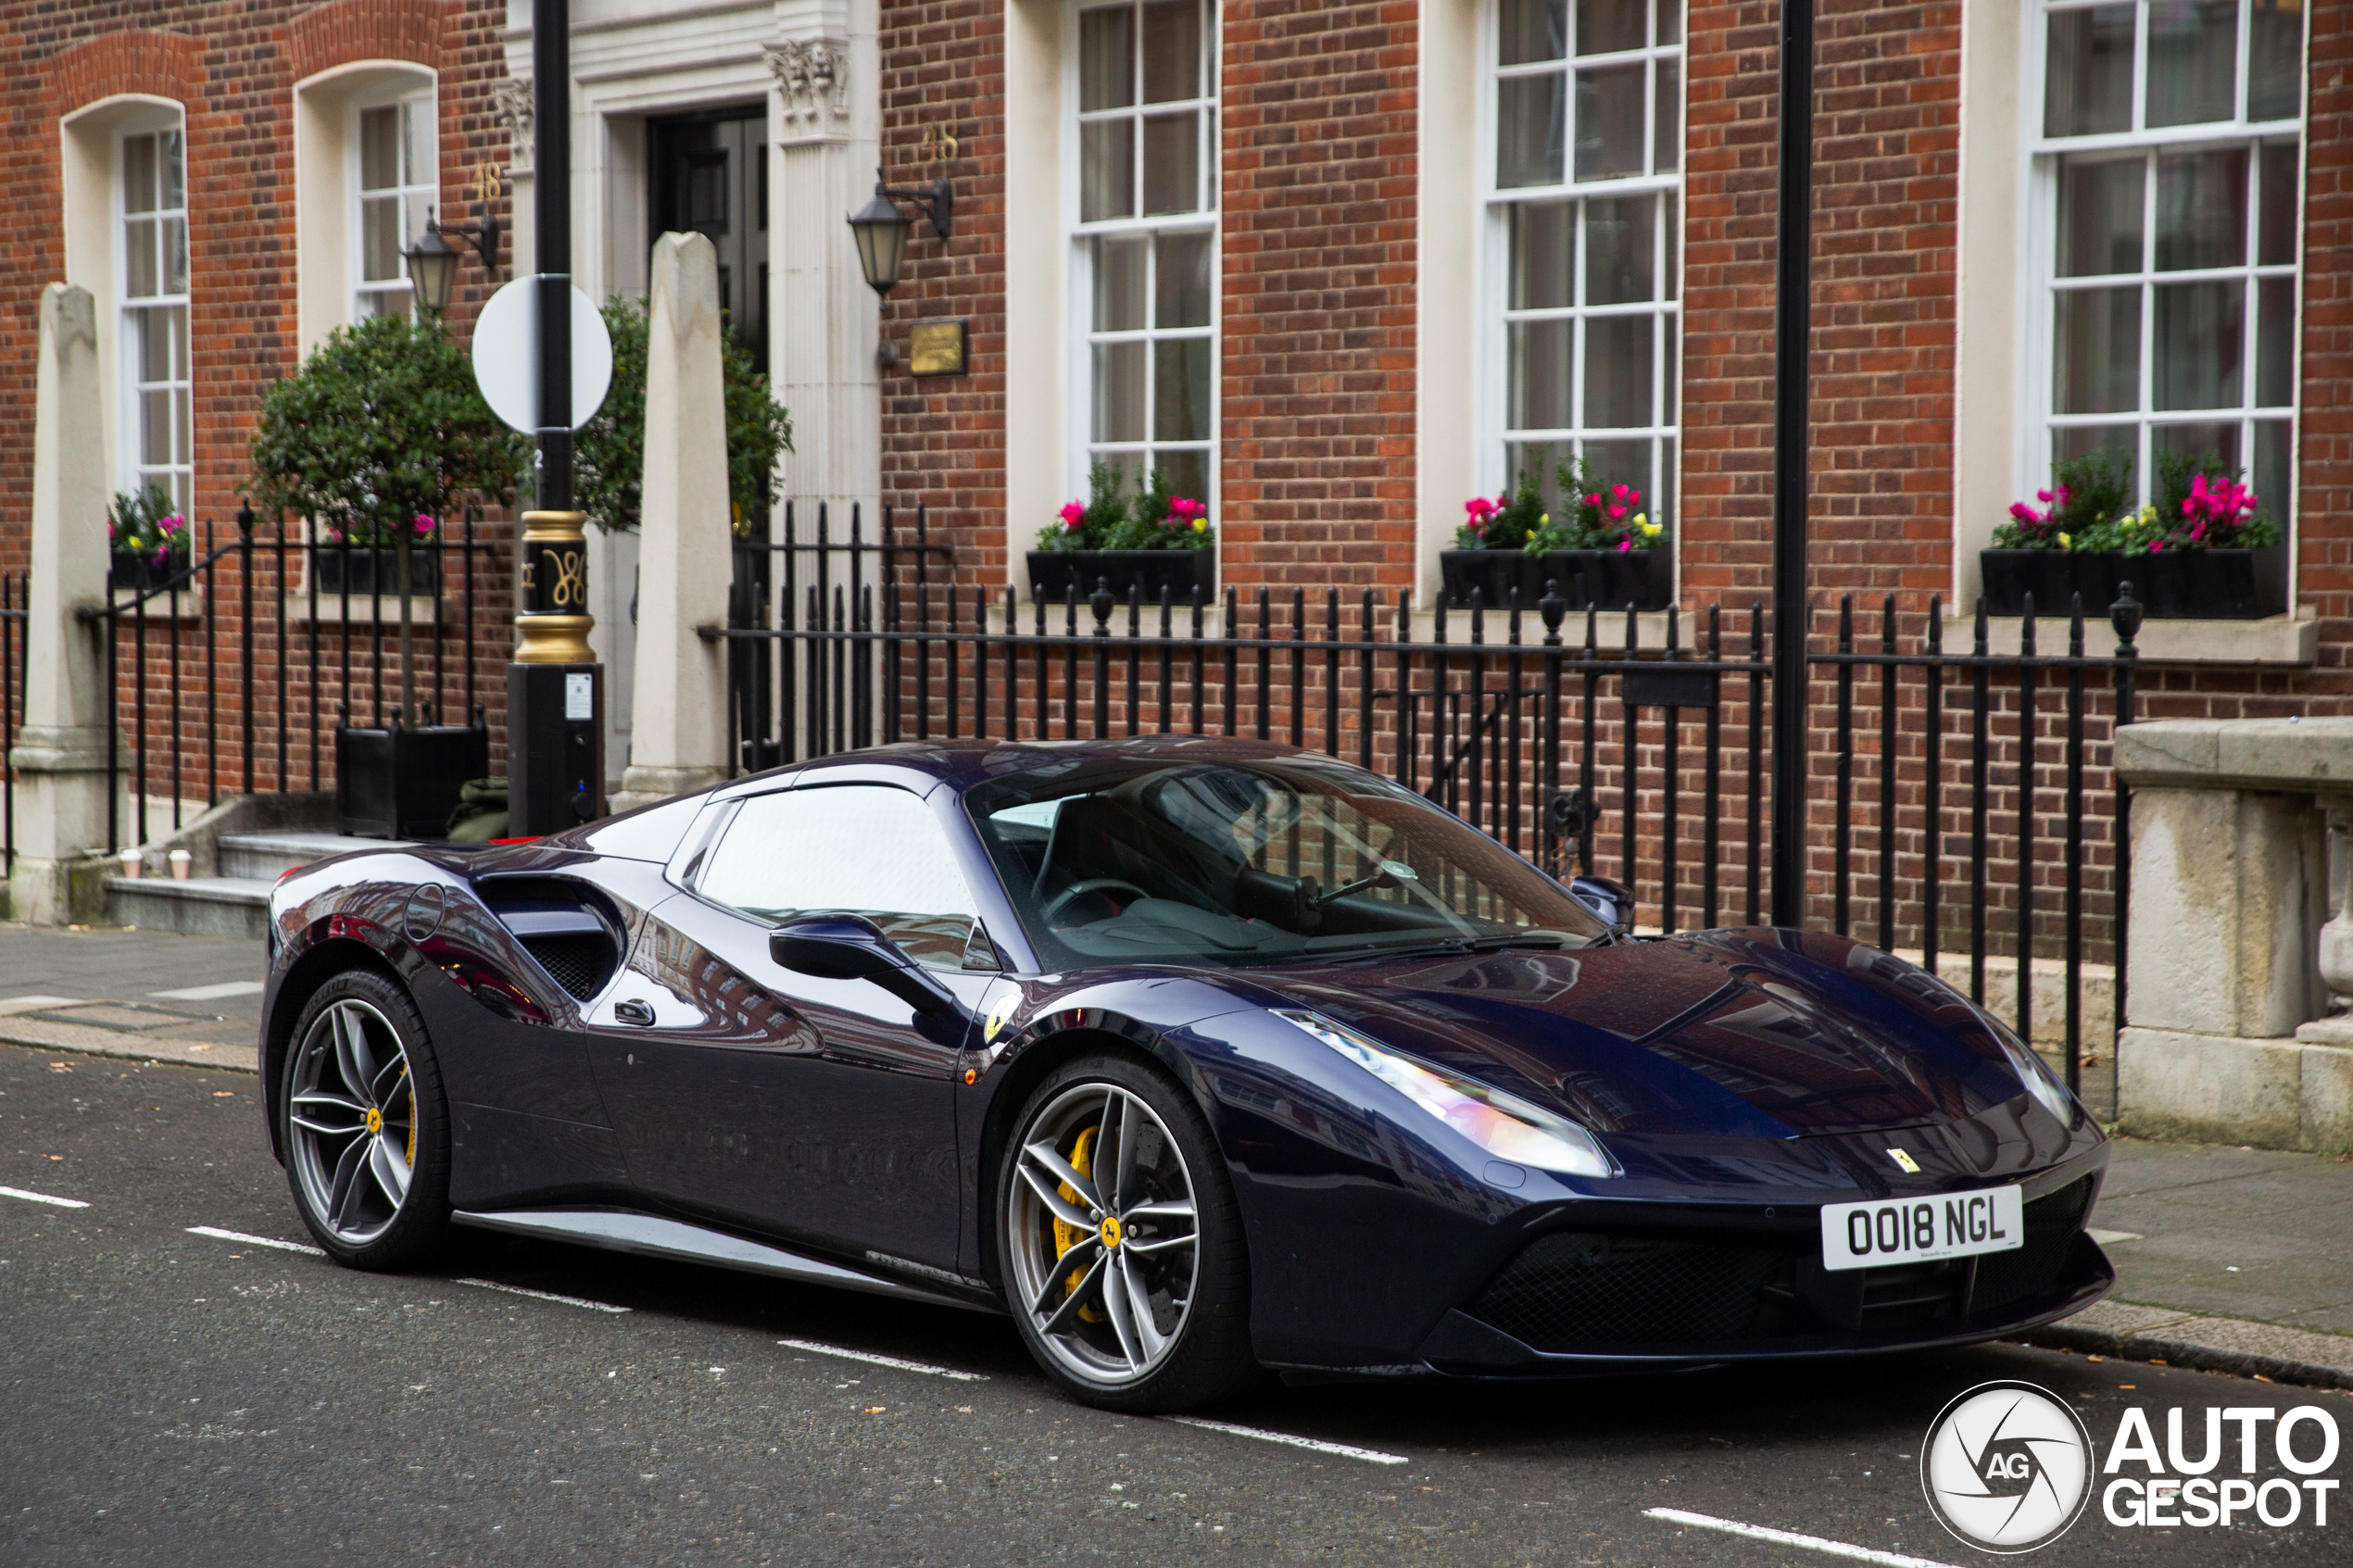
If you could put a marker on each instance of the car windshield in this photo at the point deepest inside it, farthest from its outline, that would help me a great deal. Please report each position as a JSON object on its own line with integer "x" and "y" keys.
{"x": 1227, "y": 863}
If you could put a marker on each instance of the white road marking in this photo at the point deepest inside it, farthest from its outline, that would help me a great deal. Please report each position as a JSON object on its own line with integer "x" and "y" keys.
{"x": 211, "y": 993}
{"x": 10, "y": 1005}
{"x": 812, "y": 1346}
{"x": 2108, "y": 1239}
{"x": 1370, "y": 1456}
{"x": 256, "y": 1240}
{"x": 1787, "y": 1537}
{"x": 545, "y": 1295}
{"x": 43, "y": 1197}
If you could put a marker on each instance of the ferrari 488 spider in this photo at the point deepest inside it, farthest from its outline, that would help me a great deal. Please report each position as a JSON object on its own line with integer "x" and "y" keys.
{"x": 1196, "y": 1056}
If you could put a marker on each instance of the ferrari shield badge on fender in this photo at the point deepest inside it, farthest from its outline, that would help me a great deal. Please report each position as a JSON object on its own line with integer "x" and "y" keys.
{"x": 997, "y": 1013}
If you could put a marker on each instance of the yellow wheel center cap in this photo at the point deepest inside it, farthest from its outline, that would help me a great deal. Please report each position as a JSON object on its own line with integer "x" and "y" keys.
{"x": 375, "y": 1120}
{"x": 1111, "y": 1232}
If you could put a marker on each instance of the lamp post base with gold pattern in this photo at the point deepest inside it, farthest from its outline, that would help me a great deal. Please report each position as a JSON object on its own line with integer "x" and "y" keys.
{"x": 555, "y": 687}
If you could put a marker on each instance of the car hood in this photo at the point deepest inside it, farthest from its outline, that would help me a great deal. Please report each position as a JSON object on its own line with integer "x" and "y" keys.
{"x": 1749, "y": 1033}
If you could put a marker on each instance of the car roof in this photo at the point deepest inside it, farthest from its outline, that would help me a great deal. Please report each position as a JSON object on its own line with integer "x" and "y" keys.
{"x": 963, "y": 764}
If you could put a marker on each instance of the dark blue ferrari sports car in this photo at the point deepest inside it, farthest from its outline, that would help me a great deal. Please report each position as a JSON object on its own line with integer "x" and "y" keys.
{"x": 1196, "y": 1056}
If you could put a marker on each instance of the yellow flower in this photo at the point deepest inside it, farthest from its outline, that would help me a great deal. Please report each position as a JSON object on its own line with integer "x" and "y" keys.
{"x": 1643, "y": 520}
{"x": 1543, "y": 520}
{"x": 2066, "y": 542}
{"x": 1200, "y": 524}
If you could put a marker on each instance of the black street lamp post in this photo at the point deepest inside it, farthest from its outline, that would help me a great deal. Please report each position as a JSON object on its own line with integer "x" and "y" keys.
{"x": 1791, "y": 390}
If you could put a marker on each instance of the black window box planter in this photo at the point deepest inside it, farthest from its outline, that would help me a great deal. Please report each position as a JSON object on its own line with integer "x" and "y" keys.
{"x": 1602, "y": 579}
{"x": 337, "y": 569}
{"x": 1494, "y": 573}
{"x": 1609, "y": 579}
{"x": 404, "y": 784}
{"x": 2169, "y": 585}
{"x": 1053, "y": 573}
{"x": 139, "y": 568}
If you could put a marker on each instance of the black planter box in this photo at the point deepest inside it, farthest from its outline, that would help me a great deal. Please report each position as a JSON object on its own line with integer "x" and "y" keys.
{"x": 361, "y": 572}
{"x": 1602, "y": 579}
{"x": 1494, "y": 573}
{"x": 1052, "y": 574}
{"x": 404, "y": 784}
{"x": 2169, "y": 585}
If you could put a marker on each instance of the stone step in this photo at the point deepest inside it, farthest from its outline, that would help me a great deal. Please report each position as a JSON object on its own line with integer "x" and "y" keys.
{"x": 235, "y": 903}
{"x": 201, "y": 906}
{"x": 267, "y": 855}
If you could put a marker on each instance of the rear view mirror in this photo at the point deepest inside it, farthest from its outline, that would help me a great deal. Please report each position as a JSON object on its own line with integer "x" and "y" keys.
{"x": 1613, "y": 901}
{"x": 852, "y": 948}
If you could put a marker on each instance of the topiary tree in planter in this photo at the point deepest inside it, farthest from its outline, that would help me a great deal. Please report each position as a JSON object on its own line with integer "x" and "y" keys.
{"x": 373, "y": 439}
{"x": 609, "y": 455}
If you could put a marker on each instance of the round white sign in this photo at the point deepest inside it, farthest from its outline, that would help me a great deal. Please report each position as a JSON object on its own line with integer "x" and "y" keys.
{"x": 505, "y": 356}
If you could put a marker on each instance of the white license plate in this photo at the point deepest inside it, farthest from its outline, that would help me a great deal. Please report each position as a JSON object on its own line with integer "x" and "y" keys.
{"x": 1921, "y": 1230}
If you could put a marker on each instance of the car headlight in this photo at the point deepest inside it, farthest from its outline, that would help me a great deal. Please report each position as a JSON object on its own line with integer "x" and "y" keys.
{"x": 2032, "y": 1072}
{"x": 1502, "y": 1124}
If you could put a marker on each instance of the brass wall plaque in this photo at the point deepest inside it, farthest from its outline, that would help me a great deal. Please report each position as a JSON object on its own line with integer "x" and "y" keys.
{"x": 936, "y": 348}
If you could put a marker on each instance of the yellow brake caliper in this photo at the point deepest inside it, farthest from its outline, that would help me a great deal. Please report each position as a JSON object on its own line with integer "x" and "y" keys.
{"x": 1067, "y": 1235}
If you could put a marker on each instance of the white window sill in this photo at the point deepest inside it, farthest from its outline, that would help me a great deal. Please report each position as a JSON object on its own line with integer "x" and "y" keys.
{"x": 1422, "y": 626}
{"x": 2293, "y": 639}
{"x": 366, "y": 611}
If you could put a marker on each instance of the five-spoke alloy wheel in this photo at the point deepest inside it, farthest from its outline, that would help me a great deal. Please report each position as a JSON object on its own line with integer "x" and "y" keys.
{"x": 366, "y": 1141}
{"x": 1120, "y": 1240}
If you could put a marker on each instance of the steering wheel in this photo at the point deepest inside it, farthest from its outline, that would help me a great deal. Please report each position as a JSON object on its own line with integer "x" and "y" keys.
{"x": 1092, "y": 884}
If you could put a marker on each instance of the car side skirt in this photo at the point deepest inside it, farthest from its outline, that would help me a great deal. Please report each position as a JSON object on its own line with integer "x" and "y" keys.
{"x": 650, "y": 1236}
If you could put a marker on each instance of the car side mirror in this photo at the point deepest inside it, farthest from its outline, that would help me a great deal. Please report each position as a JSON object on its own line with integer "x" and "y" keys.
{"x": 852, "y": 948}
{"x": 1613, "y": 901}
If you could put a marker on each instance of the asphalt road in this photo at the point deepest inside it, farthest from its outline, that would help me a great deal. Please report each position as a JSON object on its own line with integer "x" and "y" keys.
{"x": 169, "y": 1397}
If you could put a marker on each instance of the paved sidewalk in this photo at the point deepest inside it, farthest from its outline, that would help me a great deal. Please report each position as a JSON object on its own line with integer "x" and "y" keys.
{"x": 2236, "y": 1260}
{"x": 150, "y": 994}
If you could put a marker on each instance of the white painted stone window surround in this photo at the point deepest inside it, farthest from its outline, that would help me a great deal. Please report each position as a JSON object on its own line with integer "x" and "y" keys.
{"x": 1140, "y": 207}
{"x": 1580, "y": 137}
{"x": 151, "y": 281}
{"x": 2163, "y": 149}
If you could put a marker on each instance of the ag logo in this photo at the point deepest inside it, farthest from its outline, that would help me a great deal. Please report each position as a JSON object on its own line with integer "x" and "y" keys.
{"x": 2006, "y": 1467}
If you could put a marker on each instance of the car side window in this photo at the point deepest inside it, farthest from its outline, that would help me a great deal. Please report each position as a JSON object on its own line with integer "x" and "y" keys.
{"x": 866, "y": 849}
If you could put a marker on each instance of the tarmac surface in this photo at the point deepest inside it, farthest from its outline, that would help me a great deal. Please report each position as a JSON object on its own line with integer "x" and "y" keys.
{"x": 171, "y": 1396}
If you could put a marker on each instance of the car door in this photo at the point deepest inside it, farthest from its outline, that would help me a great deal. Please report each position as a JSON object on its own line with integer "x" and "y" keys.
{"x": 818, "y": 1110}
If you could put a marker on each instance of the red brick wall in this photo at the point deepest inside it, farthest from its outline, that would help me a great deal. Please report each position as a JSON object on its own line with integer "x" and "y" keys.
{"x": 943, "y": 440}
{"x": 234, "y": 71}
{"x": 1318, "y": 189}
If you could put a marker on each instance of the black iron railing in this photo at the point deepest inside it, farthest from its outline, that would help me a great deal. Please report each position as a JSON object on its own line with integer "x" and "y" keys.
{"x": 1959, "y": 803}
{"x": 290, "y": 686}
{"x": 15, "y": 595}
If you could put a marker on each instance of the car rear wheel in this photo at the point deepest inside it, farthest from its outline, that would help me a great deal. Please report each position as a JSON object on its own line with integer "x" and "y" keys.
{"x": 1121, "y": 1242}
{"x": 365, "y": 1130}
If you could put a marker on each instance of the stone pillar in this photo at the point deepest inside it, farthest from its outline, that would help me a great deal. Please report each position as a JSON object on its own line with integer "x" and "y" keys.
{"x": 60, "y": 756}
{"x": 2229, "y": 946}
{"x": 678, "y": 737}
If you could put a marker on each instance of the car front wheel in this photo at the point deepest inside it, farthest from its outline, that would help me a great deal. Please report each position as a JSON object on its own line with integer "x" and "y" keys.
{"x": 1122, "y": 1245}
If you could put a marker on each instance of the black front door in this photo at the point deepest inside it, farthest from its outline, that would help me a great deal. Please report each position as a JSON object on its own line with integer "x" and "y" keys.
{"x": 707, "y": 174}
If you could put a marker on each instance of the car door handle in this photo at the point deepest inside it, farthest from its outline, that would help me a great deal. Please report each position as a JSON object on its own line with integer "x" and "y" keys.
{"x": 634, "y": 1012}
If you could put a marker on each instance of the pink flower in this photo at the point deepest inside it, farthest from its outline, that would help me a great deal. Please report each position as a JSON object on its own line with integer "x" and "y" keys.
{"x": 1625, "y": 545}
{"x": 424, "y": 523}
{"x": 1619, "y": 492}
{"x": 1594, "y": 499}
{"x": 1617, "y": 513}
{"x": 1072, "y": 513}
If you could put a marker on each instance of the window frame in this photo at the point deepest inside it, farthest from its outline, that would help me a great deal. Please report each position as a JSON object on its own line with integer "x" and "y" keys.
{"x": 1080, "y": 445}
{"x": 133, "y": 470}
{"x": 2041, "y": 154}
{"x": 397, "y": 94}
{"x": 1496, "y": 439}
